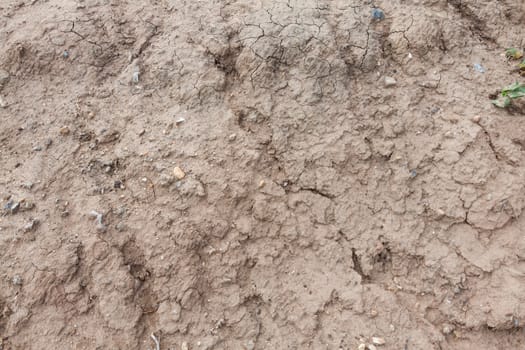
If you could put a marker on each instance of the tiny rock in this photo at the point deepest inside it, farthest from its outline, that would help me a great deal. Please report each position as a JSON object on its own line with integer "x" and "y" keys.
{"x": 389, "y": 81}
{"x": 64, "y": 131}
{"x": 135, "y": 78}
{"x": 361, "y": 347}
{"x": 250, "y": 345}
{"x": 378, "y": 341}
{"x": 3, "y": 103}
{"x": 378, "y": 14}
{"x": 232, "y": 137}
{"x": 371, "y": 347}
{"x": 179, "y": 121}
{"x": 476, "y": 119}
{"x": 30, "y": 226}
{"x": 184, "y": 346}
{"x": 447, "y": 329}
{"x": 17, "y": 280}
{"x": 179, "y": 173}
{"x": 99, "y": 220}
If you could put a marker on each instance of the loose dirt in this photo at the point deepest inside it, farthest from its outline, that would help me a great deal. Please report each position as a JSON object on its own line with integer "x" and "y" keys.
{"x": 260, "y": 175}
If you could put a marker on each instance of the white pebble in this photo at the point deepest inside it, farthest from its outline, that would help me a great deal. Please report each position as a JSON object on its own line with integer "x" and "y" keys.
{"x": 389, "y": 81}
{"x": 378, "y": 341}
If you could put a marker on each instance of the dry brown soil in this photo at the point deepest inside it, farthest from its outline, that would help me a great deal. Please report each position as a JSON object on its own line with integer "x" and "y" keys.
{"x": 313, "y": 206}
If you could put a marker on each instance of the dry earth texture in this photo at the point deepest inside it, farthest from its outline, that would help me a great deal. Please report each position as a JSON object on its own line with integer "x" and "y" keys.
{"x": 260, "y": 174}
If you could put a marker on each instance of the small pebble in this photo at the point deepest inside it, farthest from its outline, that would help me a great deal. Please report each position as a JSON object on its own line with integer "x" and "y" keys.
{"x": 413, "y": 173}
{"x": 31, "y": 225}
{"x": 179, "y": 173}
{"x": 179, "y": 121}
{"x": 184, "y": 346}
{"x": 98, "y": 219}
{"x": 135, "y": 77}
{"x": 378, "y": 14}
{"x": 3, "y": 103}
{"x": 17, "y": 280}
{"x": 479, "y": 68}
{"x": 64, "y": 131}
{"x": 232, "y": 137}
{"x": 476, "y": 119}
{"x": 371, "y": 347}
{"x": 250, "y": 345}
{"x": 12, "y": 206}
{"x": 361, "y": 347}
{"x": 65, "y": 54}
{"x": 378, "y": 341}
{"x": 447, "y": 329}
{"x": 389, "y": 82}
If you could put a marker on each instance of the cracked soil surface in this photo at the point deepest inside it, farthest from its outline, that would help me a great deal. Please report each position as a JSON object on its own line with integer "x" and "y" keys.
{"x": 313, "y": 206}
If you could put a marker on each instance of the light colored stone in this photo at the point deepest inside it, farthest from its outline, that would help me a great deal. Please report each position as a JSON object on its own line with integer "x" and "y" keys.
{"x": 447, "y": 329}
{"x": 378, "y": 341}
{"x": 389, "y": 81}
{"x": 184, "y": 346}
{"x": 17, "y": 280}
{"x": 179, "y": 173}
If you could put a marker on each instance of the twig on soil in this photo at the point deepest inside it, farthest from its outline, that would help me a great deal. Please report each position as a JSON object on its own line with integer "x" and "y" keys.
{"x": 157, "y": 343}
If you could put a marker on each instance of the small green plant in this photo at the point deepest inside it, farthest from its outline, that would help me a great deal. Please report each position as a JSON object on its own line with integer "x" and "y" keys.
{"x": 508, "y": 94}
{"x": 514, "y": 53}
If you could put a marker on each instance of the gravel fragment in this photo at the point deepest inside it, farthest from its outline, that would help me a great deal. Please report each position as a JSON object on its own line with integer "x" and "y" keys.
{"x": 389, "y": 81}
{"x": 17, "y": 280}
{"x": 179, "y": 173}
{"x": 378, "y": 341}
{"x": 99, "y": 220}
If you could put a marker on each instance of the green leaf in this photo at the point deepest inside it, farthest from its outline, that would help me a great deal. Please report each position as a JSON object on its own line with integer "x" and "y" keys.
{"x": 502, "y": 103}
{"x": 514, "y": 53}
{"x": 514, "y": 91}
